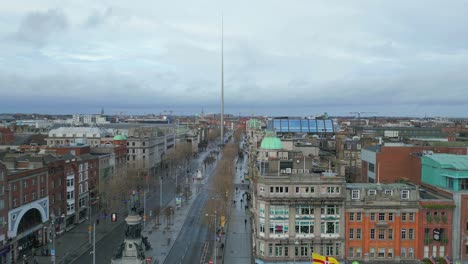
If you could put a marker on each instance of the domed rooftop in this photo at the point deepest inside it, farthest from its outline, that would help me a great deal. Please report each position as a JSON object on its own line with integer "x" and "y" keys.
{"x": 270, "y": 141}
{"x": 119, "y": 137}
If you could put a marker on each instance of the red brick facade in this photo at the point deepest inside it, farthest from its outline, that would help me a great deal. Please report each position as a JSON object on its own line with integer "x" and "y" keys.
{"x": 435, "y": 229}
{"x": 396, "y": 163}
{"x": 6, "y": 136}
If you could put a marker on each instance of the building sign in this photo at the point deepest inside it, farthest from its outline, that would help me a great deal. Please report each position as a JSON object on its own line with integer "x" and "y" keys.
{"x": 436, "y": 234}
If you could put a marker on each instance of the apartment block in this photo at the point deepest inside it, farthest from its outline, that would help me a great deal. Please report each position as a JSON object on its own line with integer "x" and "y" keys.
{"x": 382, "y": 222}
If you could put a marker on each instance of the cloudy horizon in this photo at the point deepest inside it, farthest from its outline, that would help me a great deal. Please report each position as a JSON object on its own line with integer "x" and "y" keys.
{"x": 396, "y": 58}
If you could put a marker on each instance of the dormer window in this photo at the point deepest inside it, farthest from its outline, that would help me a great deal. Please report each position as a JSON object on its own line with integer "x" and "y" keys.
{"x": 355, "y": 194}
{"x": 388, "y": 192}
{"x": 372, "y": 192}
{"x": 405, "y": 194}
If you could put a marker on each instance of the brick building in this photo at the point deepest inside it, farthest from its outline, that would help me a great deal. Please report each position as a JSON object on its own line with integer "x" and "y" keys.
{"x": 435, "y": 224}
{"x": 7, "y": 137}
{"x": 387, "y": 164}
{"x": 381, "y": 222}
{"x": 4, "y": 246}
{"x": 449, "y": 174}
{"x": 28, "y": 203}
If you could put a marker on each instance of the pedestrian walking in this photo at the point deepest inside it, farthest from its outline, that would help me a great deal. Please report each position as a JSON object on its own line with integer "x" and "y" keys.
{"x": 241, "y": 202}
{"x": 245, "y": 222}
{"x": 237, "y": 189}
{"x": 222, "y": 246}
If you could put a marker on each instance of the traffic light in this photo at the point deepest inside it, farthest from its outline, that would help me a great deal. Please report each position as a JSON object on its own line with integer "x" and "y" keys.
{"x": 114, "y": 217}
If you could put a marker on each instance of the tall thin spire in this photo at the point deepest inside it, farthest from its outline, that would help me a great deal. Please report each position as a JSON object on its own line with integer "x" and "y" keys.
{"x": 222, "y": 79}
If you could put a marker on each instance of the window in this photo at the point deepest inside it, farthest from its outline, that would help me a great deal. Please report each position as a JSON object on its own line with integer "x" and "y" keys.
{"x": 278, "y": 251}
{"x": 358, "y": 233}
{"x": 33, "y": 182}
{"x": 15, "y": 202}
{"x": 371, "y": 167}
{"x": 25, "y": 198}
{"x": 261, "y": 247}
{"x": 329, "y": 227}
{"x": 13, "y": 186}
{"x": 355, "y": 194}
{"x": 381, "y": 252}
{"x": 390, "y": 217}
{"x": 403, "y": 253}
{"x": 388, "y": 192}
{"x": 381, "y": 216}
{"x": 351, "y": 233}
{"x": 305, "y": 210}
{"x": 34, "y": 196}
{"x": 270, "y": 249}
{"x": 372, "y": 252}
{"x": 351, "y": 216}
{"x": 304, "y": 227}
{"x": 25, "y": 184}
{"x": 358, "y": 252}
{"x": 304, "y": 251}
{"x": 272, "y": 189}
{"x": 372, "y": 192}
{"x": 372, "y": 216}
{"x": 442, "y": 251}
{"x": 405, "y": 194}
{"x": 286, "y": 251}
{"x": 390, "y": 253}
{"x": 358, "y": 216}
{"x": 262, "y": 225}
{"x": 426, "y": 251}
{"x": 410, "y": 253}
{"x": 279, "y": 227}
{"x": 351, "y": 252}
{"x": 381, "y": 234}
{"x": 411, "y": 233}
{"x": 372, "y": 233}
{"x": 390, "y": 234}
{"x": 411, "y": 217}
{"x": 403, "y": 233}
{"x": 70, "y": 182}
{"x": 403, "y": 216}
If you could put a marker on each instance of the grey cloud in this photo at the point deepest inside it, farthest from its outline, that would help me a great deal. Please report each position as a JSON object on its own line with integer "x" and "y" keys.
{"x": 97, "y": 18}
{"x": 37, "y": 27}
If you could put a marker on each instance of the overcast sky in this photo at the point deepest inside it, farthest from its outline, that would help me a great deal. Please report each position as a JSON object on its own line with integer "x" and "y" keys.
{"x": 301, "y": 57}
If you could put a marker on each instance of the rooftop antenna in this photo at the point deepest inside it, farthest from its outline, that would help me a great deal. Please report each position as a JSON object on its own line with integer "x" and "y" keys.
{"x": 222, "y": 80}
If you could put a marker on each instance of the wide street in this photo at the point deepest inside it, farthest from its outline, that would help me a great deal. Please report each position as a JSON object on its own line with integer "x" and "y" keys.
{"x": 106, "y": 246}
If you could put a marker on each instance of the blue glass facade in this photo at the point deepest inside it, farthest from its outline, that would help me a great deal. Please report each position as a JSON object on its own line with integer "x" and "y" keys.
{"x": 284, "y": 125}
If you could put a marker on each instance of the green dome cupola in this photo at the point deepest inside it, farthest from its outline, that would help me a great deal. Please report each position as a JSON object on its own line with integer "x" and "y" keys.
{"x": 270, "y": 141}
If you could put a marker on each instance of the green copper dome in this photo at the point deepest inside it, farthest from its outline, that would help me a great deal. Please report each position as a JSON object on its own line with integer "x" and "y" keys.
{"x": 271, "y": 142}
{"x": 252, "y": 123}
{"x": 119, "y": 137}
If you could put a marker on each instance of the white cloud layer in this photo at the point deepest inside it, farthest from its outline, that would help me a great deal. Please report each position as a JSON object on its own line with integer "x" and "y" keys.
{"x": 281, "y": 57}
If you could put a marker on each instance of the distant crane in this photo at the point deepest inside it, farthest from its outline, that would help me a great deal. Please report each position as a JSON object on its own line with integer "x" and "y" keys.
{"x": 359, "y": 115}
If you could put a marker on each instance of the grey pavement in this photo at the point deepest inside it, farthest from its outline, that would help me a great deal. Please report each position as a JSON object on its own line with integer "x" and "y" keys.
{"x": 238, "y": 240}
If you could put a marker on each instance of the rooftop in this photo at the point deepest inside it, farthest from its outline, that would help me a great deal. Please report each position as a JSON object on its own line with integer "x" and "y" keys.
{"x": 449, "y": 161}
{"x": 383, "y": 186}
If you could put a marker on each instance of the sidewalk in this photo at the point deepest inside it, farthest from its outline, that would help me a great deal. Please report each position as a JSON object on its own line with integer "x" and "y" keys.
{"x": 238, "y": 240}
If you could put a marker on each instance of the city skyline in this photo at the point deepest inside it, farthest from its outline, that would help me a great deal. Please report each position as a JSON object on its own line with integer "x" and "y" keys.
{"x": 302, "y": 58}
